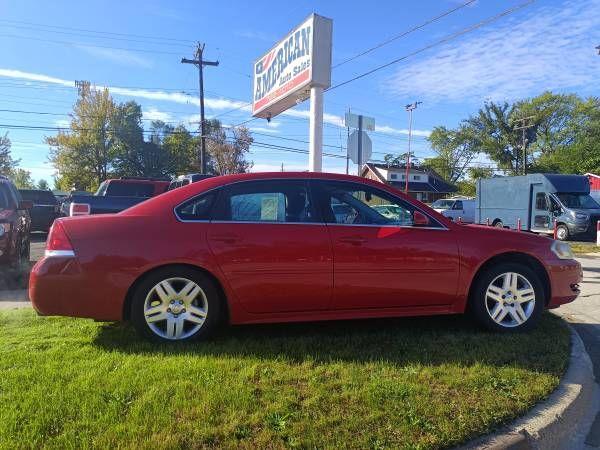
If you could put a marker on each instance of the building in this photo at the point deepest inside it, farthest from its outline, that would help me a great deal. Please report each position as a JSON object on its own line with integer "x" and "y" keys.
{"x": 423, "y": 184}
{"x": 594, "y": 181}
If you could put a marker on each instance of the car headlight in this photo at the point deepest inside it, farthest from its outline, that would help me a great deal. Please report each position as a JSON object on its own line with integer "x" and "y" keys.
{"x": 562, "y": 250}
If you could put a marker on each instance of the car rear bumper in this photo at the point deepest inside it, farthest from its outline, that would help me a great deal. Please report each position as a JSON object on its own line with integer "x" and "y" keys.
{"x": 565, "y": 279}
{"x": 59, "y": 287}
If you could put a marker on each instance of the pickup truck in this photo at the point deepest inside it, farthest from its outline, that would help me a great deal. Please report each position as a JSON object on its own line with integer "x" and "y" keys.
{"x": 115, "y": 195}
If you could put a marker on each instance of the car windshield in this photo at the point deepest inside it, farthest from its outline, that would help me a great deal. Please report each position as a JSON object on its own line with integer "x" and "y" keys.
{"x": 578, "y": 201}
{"x": 442, "y": 204}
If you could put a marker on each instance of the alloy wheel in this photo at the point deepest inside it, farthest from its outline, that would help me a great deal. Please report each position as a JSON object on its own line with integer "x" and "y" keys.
{"x": 175, "y": 308}
{"x": 510, "y": 299}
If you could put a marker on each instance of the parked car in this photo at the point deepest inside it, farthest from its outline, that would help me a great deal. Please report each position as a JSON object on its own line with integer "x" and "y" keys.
{"x": 184, "y": 180}
{"x": 15, "y": 224}
{"x": 268, "y": 247}
{"x": 115, "y": 195}
{"x": 45, "y": 208}
{"x": 538, "y": 200}
{"x": 455, "y": 208}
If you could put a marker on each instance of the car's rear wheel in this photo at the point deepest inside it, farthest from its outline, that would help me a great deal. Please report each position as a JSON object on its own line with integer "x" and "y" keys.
{"x": 508, "y": 297}
{"x": 176, "y": 304}
{"x": 498, "y": 224}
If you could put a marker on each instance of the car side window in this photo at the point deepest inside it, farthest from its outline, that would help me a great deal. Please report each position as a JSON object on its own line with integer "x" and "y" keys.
{"x": 198, "y": 208}
{"x": 541, "y": 201}
{"x": 351, "y": 203}
{"x": 458, "y": 204}
{"x": 267, "y": 201}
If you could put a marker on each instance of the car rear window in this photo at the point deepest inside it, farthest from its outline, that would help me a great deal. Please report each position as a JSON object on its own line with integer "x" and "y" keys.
{"x": 125, "y": 189}
{"x": 38, "y": 197}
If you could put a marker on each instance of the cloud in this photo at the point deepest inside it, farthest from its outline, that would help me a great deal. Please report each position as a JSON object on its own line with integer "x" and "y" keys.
{"x": 62, "y": 123}
{"x": 220, "y": 104}
{"x": 548, "y": 48}
{"x": 264, "y": 130}
{"x": 155, "y": 114}
{"x": 119, "y": 56}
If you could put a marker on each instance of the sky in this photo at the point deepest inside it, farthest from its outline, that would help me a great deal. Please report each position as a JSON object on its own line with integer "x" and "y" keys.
{"x": 135, "y": 48}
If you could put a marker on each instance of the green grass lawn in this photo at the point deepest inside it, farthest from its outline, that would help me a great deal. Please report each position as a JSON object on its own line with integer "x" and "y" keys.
{"x": 584, "y": 247}
{"x": 409, "y": 383}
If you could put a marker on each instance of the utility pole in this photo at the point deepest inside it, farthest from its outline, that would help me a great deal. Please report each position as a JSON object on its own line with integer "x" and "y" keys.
{"x": 524, "y": 128}
{"x": 410, "y": 108}
{"x": 200, "y": 63}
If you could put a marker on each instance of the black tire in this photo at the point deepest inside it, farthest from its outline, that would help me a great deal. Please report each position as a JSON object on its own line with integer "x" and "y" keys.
{"x": 479, "y": 303}
{"x": 562, "y": 233}
{"x": 498, "y": 224}
{"x": 213, "y": 300}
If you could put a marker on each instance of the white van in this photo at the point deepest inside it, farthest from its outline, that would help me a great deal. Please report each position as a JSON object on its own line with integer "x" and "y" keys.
{"x": 453, "y": 208}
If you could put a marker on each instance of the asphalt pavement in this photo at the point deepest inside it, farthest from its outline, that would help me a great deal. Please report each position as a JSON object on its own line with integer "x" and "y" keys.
{"x": 584, "y": 315}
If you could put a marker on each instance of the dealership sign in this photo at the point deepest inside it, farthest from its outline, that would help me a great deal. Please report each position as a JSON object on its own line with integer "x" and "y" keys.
{"x": 285, "y": 74}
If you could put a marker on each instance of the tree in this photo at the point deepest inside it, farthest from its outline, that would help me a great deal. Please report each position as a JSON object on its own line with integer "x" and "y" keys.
{"x": 43, "y": 185}
{"x": 494, "y": 129}
{"x": 101, "y": 135}
{"x": 22, "y": 179}
{"x": 399, "y": 160}
{"x": 455, "y": 150}
{"x": 227, "y": 149}
{"x": 182, "y": 149}
{"x": 7, "y": 163}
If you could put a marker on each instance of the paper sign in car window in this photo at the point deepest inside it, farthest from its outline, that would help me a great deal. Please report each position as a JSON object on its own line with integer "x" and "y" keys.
{"x": 269, "y": 207}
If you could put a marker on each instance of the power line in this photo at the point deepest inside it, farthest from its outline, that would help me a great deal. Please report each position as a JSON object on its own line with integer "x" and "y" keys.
{"x": 404, "y": 33}
{"x": 80, "y": 34}
{"x": 86, "y": 44}
{"x": 436, "y": 43}
{"x": 162, "y": 38}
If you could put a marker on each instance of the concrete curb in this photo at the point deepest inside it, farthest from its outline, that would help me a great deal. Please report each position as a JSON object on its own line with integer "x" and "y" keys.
{"x": 552, "y": 424}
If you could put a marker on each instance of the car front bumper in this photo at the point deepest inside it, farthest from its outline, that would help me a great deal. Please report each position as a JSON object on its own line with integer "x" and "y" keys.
{"x": 565, "y": 279}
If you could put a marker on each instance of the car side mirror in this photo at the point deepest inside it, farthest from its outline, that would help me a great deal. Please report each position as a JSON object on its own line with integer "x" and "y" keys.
{"x": 420, "y": 219}
{"x": 25, "y": 204}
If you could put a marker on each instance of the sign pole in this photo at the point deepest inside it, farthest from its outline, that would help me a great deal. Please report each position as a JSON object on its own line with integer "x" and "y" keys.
{"x": 359, "y": 152}
{"x": 315, "y": 146}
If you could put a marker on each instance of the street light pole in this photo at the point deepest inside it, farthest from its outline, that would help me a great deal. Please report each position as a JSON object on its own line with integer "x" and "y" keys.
{"x": 410, "y": 108}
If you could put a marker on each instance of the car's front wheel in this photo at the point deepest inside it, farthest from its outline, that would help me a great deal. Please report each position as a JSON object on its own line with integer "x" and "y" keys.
{"x": 508, "y": 297}
{"x": 176, "y": 304}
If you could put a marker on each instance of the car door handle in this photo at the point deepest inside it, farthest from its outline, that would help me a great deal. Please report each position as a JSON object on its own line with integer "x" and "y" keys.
{"x": 353, "y": 240}
{"x": 226, "y": 238}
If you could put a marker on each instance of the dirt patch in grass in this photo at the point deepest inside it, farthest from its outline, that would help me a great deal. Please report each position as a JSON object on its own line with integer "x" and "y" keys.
{"x": 410, "y": 383}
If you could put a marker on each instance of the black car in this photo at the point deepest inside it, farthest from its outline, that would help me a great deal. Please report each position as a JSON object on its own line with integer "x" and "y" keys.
{"x": 14, "y": 225}
{"x": 45, "y": 208}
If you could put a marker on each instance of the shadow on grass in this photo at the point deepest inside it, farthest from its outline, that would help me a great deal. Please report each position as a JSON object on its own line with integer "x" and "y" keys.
{"x": 428, "y": 341}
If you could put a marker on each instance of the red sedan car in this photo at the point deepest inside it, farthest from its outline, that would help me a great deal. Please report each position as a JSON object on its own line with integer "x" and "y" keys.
{"x": 276, "y": 247}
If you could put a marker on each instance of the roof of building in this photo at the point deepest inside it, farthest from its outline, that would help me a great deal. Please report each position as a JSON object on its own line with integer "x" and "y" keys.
{"x": 592, "y": 175}
{"x": 435, "y": 183}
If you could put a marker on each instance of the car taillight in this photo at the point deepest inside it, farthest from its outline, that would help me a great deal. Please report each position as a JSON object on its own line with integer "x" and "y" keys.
{"x": 58, "y": 243}
{"x": 79, "y": 209}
